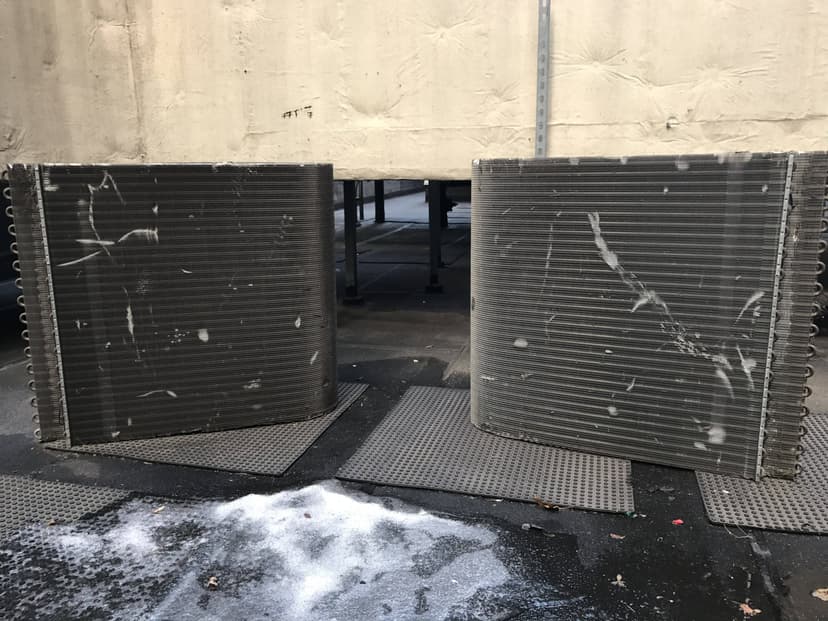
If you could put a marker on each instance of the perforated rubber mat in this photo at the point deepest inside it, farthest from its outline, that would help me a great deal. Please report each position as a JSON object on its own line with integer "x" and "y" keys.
{"x": 427, "y": 441}
{"x": 800, "y": 506}
{"x": 270, "y": 449}
{"x": 24, "y": 500}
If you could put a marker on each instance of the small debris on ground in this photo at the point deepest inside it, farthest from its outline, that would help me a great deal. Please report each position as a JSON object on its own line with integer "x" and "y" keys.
{"x": 821, "y": 594}
{"x": 545, "y": 505}
{"x": 415, "y": 360}
{"x": 528, "y": 526}
{"x": 667, "y": 489}
{"x": 748, "y": 610}
{"x": 307, "y": 515}
{"x": 619, "y": 582}
{"x": 52, "y": 522}
{"x": 633, "y": 514}
{"x": 212, "y": 583}
{"x": 614, "y": 536}
{"x": 678, "y": 522}
{"x": 159, "y": 509}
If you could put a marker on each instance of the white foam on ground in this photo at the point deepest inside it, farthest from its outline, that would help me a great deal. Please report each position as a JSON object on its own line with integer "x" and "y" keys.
{"x": 332, "y": 561}
{"x": 319, "y": 552}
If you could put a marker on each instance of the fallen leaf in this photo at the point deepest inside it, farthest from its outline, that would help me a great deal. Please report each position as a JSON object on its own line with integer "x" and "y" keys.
{"x": 678, "y": 522}
{"x": 212, "y": 582}
{"x": 544, "y": 505}
{"x": 821, "y": 594}
{"x": 52, "y": 522}
{"x": 307, "y": 515}
{"x": 159, "y": 509}
{"x": 748, "y": 611}
{"x": 619, "y": 582}
{"x": 614, "y": 536}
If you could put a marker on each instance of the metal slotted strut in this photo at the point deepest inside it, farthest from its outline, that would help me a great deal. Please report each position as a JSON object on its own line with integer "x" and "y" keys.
{"x": 777, "y": 277}
{"x": 542, "y": 94}
{"x": 50, "y": 288}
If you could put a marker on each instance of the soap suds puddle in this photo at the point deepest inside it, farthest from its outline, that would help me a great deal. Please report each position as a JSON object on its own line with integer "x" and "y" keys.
{"x": 320, "y": 552}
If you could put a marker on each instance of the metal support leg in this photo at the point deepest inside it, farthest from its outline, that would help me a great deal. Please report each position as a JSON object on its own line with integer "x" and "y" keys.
{"x": 361, "y": 195}
{"x": 435, "y": 208}
{"x": 351, "y": 289}
{"x": 445, "y": 206}
{"x": 379, "y": 202}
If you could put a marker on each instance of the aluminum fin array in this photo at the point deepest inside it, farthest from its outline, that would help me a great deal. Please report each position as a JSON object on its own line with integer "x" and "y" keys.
{"x": 165, "y": 299}
{"x": 629, "y": 306}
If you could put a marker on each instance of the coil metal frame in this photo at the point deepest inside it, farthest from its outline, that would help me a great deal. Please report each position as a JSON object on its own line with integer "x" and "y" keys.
{"x": 172, "y": 298}
{"x": 652, "y": 308}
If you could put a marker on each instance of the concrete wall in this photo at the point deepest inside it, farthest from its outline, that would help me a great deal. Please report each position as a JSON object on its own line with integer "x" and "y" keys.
{"x": 401, "y": 88}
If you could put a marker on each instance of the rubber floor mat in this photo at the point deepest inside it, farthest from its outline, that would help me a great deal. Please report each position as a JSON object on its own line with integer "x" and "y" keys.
{"x": 269, "y": 449}
{"x": 427, "y": 441}
{"x": 24, "y": 500}
{"x": 799, "y": 506}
